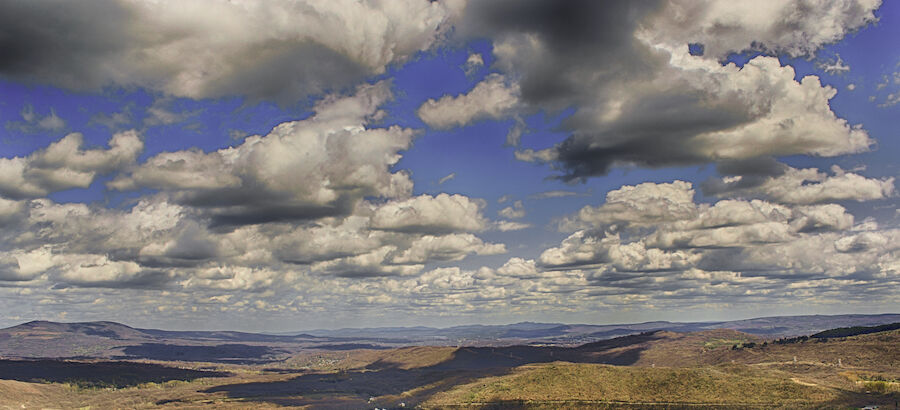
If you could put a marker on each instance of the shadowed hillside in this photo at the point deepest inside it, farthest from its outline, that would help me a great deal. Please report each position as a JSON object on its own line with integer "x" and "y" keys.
{"x": 96, "y": 374}
{"x": 701, "y": 368}
{"x": 720, "y": 368}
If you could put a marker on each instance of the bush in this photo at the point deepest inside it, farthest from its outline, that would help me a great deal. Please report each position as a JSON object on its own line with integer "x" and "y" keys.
{"x": 876, "y": 387}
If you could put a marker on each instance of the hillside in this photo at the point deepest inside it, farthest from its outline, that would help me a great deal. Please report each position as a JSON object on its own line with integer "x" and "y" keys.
{"x": 581, "y": 384}
{"x": 656, "y": 368}
{"x": 701, "y": 369}
{"x": 109, "y": 340}
{"x": 855, "y": 330}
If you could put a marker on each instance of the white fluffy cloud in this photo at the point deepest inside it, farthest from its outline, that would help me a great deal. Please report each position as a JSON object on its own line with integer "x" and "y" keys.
{"x": 163, "y": 245}
{"x": 646, "y": 203}
{"x": 65, "y": 164}
{"x": 809, "y": 185}
{"x": 506, "y": 226}
{"x": 794, "y": 27}
{"x": 474, "y": 63}
{"x": 494, "y": 97}
{"x": 314, "y": 216}
{"x": 339, "y": 158}
{"x": 516, "y": 211}
{"x": 431, "y": 214}
{"x": 446, "y": 248}
{"x": 748, "y": 248}
{"x": 312, "y": 197}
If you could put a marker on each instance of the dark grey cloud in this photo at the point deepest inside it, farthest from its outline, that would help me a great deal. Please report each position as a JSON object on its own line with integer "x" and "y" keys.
{"x": 146, "y": 279}
{"x": 78, "y": 45}
{"x": 62, "y": 42}
{"x": 641, "y": 99}
{"x": 753, "y": 172}
{"x": 578, "y": 35}
{"x": 227, "y": 209}
{"x": 9, "y": 268}
{"x": 654, "y": 132}
{"x": 280, "y": 50}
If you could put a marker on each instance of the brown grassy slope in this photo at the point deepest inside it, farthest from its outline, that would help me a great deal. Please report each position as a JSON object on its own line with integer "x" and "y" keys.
{"x": 877, "y": 351}
{"x": 670, "y": 349}
{"x": 402, "y": 358}
{"x": 700, "y": 368}
{"x": 661, "y": 349}
{"x": 697, "y": 368}
{"x": 592, "y": 382}
{"x": 412, "y": 357}
{"x": 874, "y": 351}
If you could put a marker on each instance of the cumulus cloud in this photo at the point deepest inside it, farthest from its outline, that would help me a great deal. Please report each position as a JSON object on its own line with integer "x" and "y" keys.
{"x": 216, "y": 218}
{"x": 796, "y": 28}
{"x": 473, "y": 63}
{"x": 164, "y": 245}
{"x": 446, "y": 248}
{"x": 642, "y": 204}
{"x": 282, "y": 50}
{"x": 313, "y": 216}
{"x": 370, "y": 264}
{"x": 350, "y": 237}
{"x": 756, "y": 110}
{"x": 519, "y": 268}
{"x": 673, "y": 221}
{"x": 491, "y": 98}
{"x": 431, "y": 214}
{"x": 579, "y": 249}
{"x": 340, "y": 159}
{"x": 75, "y": 269}
{"x": 725, "y": 224}
{"x": 516, "y": 211}
{"x": 65, "y": 164}
{"x": 233, "y": 278}
{"x": 835, "y": 66}
{"x": 10, "y": 211}
{"x": 640, "y": 98}
{"x": 749, "y": 249}
{"x": 804, "y": 186}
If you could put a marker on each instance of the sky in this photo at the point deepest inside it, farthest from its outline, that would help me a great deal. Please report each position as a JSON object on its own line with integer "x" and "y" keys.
{"x": 296, "y": 164}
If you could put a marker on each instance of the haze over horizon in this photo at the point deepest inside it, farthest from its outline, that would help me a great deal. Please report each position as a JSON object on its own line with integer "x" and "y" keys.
{"x": 302, "y": 164}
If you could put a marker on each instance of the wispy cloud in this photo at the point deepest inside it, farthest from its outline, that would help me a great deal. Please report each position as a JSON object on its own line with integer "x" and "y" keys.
{"x": 33, "y": 123}
{"x": 446, "y": 178}
{"x": 554, "y": 194}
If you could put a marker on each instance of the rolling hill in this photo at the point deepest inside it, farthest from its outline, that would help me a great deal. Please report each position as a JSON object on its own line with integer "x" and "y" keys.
{"x": 722, "y": 368}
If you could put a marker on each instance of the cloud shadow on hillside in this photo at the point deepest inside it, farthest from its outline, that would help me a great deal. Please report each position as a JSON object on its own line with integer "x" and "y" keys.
{"x": 96, "y": 374}
{"x": 466, "y": 364}
{"x": 225, "y": 353}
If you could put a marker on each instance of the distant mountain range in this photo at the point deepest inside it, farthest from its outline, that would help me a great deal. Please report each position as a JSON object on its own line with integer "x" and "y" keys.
{"x": 115, "y": 340}
{"x": 776, "y": 326}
